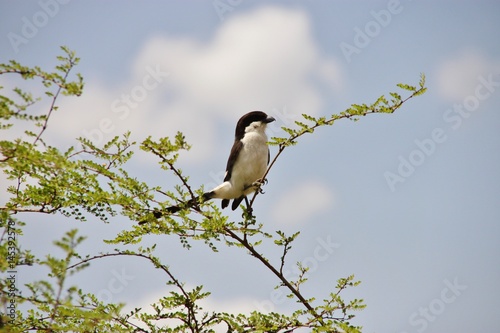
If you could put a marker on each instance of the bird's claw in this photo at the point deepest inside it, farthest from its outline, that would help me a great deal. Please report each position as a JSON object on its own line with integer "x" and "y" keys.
{"x": 258, "y": 185}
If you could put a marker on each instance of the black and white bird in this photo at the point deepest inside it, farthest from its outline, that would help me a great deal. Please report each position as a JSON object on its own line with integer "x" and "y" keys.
{"x": 246, "y": 165}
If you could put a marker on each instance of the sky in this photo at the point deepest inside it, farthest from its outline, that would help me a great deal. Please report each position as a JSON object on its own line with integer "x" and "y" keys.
{"x": 409, "y": 203}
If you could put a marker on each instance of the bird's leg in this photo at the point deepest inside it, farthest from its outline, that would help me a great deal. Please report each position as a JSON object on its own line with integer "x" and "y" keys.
{"x": 249, "y": 208}
{"x": 257, "y": 186}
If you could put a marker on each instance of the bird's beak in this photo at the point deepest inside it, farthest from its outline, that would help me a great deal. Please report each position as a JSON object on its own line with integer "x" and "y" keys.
{"x": 269, "y": 119}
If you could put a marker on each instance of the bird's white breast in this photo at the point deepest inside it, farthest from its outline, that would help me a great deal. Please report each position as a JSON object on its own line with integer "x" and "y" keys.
{"x": 252, "y": 162}
{"x": 249, "y": 167}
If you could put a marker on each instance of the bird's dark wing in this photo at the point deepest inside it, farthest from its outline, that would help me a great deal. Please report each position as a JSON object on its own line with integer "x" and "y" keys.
{"x": 233, "y": 156}
{"x": 236, "y": 202}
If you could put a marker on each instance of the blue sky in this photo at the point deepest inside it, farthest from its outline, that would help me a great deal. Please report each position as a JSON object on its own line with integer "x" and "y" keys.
{"x": 409, "y": 202}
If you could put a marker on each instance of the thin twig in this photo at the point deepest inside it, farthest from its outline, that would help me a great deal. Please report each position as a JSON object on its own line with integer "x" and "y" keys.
{"x": 328, "y": 122}
{"x": 176, "y": 171}
{"x": 52, "y": 105}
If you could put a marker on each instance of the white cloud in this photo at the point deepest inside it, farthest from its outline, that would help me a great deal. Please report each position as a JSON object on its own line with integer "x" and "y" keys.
{"x": 301, "y": 202}
{"x": 458, "y": 77}
{"x": 85, "y": 115}
{"x": 264, "y": 59}
{"x": 260, "y": 60}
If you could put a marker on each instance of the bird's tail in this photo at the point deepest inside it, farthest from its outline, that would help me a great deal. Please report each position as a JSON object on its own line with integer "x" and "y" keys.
{"x": 174, "y": 209}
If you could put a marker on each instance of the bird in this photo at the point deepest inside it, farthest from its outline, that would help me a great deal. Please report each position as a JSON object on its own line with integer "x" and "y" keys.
{"x": 245, "y": 168}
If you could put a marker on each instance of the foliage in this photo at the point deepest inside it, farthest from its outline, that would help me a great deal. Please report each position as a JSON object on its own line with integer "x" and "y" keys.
{"x": 87, "y": 180}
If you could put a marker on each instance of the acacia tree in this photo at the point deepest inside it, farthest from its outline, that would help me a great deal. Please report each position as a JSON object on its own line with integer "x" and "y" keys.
{"x": 89, "y": 180}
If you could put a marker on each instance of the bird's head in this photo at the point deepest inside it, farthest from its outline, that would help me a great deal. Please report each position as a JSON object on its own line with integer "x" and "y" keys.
{"x": 255, "y": 121}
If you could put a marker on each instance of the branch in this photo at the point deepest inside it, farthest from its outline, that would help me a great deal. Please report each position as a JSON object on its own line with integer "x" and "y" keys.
{"x": 190, "y": 306}
{"x": 282, "y": 278}
{"x": 163, "y": 148}
{"x": 176, "y": 171}
{"x": 34, "y": 300}
{"x": 354, "y": 112}
{"x": 26, "y": 72}
{"x": 52, "y": 106}
{"x": 71, "y": 88}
